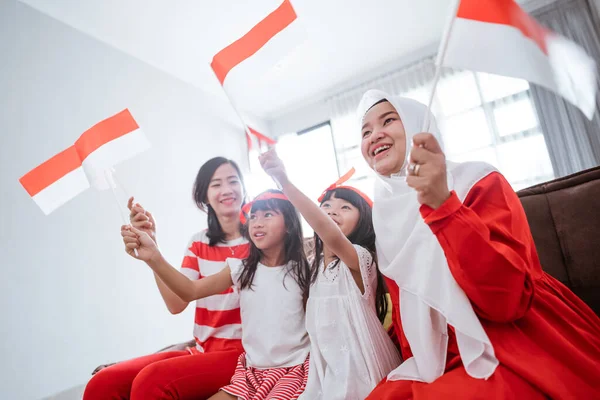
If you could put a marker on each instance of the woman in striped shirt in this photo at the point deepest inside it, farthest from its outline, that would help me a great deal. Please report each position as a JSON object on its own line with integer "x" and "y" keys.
{"x": 199, "y": 372}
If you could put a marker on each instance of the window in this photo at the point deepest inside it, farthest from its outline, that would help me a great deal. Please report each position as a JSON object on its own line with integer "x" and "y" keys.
{"x": 310, "y": 162}
{"x": 482, "y": 117}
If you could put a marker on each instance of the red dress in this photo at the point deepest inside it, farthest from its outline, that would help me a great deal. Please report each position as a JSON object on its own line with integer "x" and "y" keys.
{"x": 546, "y": 339}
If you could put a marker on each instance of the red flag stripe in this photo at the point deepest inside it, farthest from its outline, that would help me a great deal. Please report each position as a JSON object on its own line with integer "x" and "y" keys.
{"x": 50, "y": 171}
{"x": 105, "y": 131}
{"x": 504, "y": 12}
{"x": 261, "y": 137}
{"x": 217, "y": 319}
{"x": 243, "y": 48}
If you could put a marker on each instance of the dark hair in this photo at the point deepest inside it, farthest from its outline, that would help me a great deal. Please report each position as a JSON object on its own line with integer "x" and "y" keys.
{"x": 199, "y": 192}
{"x": 362, "y": 235}
{"x": 293, "y": 245}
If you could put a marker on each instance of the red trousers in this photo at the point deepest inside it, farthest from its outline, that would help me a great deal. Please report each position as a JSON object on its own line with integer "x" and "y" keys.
{"x": 169, "y": 375}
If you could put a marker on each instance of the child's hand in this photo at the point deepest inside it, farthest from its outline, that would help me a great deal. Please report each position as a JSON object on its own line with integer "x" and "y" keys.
{"x": 134, "y": 239}
{"x": 273, "y": 166}
{"x": 141, "y": 219}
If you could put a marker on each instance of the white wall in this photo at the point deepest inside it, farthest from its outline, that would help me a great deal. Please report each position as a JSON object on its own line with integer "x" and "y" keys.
{"x": 70, "y": 298}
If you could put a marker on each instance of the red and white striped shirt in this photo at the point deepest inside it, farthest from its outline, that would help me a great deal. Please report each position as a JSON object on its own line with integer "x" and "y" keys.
{"x": 217, "y": 323}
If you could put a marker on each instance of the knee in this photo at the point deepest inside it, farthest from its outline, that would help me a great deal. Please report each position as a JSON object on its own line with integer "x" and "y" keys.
{"x": 150, "y": 384}
{"x": 104, "y": 385}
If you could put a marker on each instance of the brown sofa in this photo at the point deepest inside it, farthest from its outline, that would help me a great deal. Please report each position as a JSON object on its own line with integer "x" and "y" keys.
{"x": 564, "y": 217}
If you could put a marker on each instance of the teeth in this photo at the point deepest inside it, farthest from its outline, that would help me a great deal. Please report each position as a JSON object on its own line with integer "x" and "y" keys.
{"x": 380, "y": 149}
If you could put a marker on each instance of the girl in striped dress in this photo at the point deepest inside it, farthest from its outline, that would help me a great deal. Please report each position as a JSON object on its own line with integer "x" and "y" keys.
{"x": 273, "y": 282}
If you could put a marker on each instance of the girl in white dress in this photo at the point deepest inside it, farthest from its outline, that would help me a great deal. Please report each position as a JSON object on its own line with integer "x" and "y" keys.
{"x": 350, "y": 351}
{"x": 273, "y": 283}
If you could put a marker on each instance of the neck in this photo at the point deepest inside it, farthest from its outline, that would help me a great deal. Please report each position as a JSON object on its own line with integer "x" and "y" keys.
{"x": 273, "y": 257}
{"x": 230, "y": 225}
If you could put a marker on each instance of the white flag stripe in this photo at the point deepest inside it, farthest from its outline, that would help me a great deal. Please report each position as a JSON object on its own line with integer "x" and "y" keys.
{"x": 575, "y": 73}
{"x": 62, "y": 190}
{"x": 497, "y": 49}
{"x": 111, "y": 154}
{"x": 255, "y": 68}
{"x": 502, "y": 49}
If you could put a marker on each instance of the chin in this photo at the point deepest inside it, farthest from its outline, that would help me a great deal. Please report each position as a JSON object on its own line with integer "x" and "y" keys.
{"x": 387, "y": 167}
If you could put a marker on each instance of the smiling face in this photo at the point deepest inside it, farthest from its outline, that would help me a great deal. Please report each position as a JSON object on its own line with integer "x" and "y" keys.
{"x": 383, "y": 143}
{"x": 225, "y": 192}
{"x": 267, "y": 229}
{"x": 342, "y": 212}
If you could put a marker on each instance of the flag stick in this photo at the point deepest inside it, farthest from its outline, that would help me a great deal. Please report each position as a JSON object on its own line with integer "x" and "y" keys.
{"x": 119, "y": 184}
{"x": 247, "y": 130}
{"x": 440, "y": 60}
{"x": 111, "y": 182}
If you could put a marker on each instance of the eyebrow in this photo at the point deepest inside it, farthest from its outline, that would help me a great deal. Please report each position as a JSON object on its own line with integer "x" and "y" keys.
{"x": 382, "y": 116}
{"x": 229, "y": 177}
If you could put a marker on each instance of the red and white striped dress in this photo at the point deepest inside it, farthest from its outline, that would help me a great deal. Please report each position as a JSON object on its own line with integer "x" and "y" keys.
{"x": 217, "y": 322}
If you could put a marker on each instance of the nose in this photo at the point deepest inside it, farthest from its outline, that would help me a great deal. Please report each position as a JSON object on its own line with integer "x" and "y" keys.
{"x": 227, "y": 190}
{"x": 257, "y": 222}
{"x": 376, "y": 136}
{"x": 332, "y": 211}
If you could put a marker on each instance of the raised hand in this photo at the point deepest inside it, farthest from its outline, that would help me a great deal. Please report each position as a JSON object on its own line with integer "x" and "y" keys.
{"x": 135, "y": 239}
{"x": 273, "y": 166}
{"x": 141, "y": 219}
{"x": 427, "y": 171}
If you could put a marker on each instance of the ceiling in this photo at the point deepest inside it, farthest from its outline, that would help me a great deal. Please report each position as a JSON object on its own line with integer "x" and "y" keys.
{"x": 345, "y": 38}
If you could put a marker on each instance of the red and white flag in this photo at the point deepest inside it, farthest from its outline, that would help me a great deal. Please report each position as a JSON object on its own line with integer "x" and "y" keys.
{"x": 82, "y": 165}
{"x": 250, "y": 57}
{"x": 260, "y": 139}
{"x": 497, "y": 36}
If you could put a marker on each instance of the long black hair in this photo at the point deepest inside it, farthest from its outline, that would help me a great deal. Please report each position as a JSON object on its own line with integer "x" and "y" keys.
{"x": 362, "y": 235}
{"x": 293, "y": 245}
{"x": 207, "y": 170}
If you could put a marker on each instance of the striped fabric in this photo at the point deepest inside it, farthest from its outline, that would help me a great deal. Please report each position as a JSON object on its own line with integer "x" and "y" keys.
{"x": 250, "y": 383}
{"x": 217, "y": 322}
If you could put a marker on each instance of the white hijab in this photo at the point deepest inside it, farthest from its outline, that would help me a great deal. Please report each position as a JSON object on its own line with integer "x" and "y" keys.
{"x": 409, "y": 253}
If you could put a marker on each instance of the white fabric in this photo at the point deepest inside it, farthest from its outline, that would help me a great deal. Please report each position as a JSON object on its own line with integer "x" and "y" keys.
{"x": 273, "y": 319}
{"x": 62, "y": 190}
{"x": 220, "y": 307}
{"x": 409, "y": 253}
{"x": 502, "y": 49}
{"x": 111, "y": 154}
{"x": 350, "y": 351}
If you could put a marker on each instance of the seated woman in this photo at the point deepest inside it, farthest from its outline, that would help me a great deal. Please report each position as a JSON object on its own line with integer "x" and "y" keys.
{"x": 198, "y": 372}
{"x": 476, "y": 315}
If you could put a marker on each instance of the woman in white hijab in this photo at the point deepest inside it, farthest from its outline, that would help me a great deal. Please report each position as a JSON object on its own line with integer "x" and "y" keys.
{"x": 475, "y": 315}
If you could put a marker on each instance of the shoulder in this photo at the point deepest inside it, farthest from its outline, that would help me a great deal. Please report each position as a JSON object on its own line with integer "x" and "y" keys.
{"x": 201, "y": 237}
{"x": 364, "y": 255}
{"x": 478, "y": 183}
{"x": 464, "y": 177}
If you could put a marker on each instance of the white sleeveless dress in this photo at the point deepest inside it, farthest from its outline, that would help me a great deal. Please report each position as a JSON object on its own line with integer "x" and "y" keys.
{"x": 350, "y": 351}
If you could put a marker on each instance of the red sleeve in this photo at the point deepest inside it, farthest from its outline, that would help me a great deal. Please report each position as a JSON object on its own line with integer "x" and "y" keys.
{"x": 489, "y": 247}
